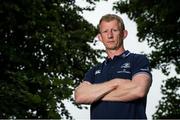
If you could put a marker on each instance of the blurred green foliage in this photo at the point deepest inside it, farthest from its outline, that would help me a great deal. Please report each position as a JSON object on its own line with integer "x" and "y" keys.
{"x": 44, "y": 54}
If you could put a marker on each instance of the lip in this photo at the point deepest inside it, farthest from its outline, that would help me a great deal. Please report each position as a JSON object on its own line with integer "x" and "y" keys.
{"x": 110, "y": 41}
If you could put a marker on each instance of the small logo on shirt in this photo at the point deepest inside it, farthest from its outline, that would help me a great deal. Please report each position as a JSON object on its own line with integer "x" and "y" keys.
{"x": 125, "y": 68}
{"x": 145, "y": 69}
{"x": 126, "y": 65}
{"x": 97, "y": 72}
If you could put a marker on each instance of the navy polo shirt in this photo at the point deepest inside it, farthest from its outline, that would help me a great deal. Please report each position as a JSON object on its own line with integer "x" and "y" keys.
{"x": 124, "y": 66}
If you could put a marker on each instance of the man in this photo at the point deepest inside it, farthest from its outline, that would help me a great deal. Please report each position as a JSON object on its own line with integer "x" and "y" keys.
{"x": 116, "y": 88}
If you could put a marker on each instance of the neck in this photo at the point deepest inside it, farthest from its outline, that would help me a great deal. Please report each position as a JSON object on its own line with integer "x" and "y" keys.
{"x": 112, "y": 53}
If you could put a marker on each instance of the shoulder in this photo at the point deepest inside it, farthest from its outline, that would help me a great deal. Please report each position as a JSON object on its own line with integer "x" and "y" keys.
{"x": 138, "y": 57}
{"x": 96, "y": 67}
{"x": 90, "y": 74}
{"x": 140, "y": 63}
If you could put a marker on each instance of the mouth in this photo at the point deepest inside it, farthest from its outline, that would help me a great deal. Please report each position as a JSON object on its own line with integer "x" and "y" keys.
{"x": 111, "y": 41}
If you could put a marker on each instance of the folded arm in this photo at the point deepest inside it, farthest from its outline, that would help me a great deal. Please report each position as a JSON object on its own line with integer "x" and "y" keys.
{"x": 88, "y": 93}
{"x": 129, "y": 90}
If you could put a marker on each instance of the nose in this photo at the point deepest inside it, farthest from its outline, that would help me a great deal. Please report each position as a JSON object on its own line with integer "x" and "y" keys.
{"x": 110, "y": 34}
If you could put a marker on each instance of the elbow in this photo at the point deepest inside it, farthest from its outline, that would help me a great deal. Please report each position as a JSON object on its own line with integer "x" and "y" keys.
{"x": 78, "y": 96}
{"x": 137, "y": 96}
{"x": 81, "y": 99}
{"x": 78, "y": 99}
{"x": 141, "y": 93}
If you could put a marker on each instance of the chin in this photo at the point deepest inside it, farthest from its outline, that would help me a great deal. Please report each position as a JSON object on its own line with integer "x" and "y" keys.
{"x": 111, "y": 48}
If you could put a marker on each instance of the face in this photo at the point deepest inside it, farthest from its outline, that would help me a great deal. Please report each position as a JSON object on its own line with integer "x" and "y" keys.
{"x": 111, "y": 35}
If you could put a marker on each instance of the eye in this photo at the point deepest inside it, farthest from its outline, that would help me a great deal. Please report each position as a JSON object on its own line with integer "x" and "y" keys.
{"x": 105, "y": 31}
{"x": 115, "y": 30}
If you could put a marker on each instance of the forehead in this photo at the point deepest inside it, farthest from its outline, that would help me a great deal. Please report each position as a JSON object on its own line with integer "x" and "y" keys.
{"x": 109, "y": 24}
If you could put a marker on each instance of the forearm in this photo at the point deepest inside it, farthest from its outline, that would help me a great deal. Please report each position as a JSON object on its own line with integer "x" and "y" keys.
{"x": 122, "y": 93}
{"x": 129, "y": 90}
{"x": 88, "y": 93}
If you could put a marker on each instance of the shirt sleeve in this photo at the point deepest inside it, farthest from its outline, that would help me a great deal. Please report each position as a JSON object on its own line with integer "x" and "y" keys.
{"x": 89, "y": 76}
{"x": 141, "y": 65}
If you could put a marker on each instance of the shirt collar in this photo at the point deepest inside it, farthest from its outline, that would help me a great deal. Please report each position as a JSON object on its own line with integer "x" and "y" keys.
{"x": 123, "y": 55}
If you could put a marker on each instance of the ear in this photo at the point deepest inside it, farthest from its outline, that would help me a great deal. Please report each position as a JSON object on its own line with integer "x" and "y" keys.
{"x": 99, "y": 37}
{"x": 125, "y": 33}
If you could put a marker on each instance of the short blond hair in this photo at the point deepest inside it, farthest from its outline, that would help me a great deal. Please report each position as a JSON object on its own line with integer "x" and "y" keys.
{"x": 110, "y": 17}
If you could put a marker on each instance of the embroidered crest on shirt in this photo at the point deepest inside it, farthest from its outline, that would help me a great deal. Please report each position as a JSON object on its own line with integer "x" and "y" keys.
{"x": 126, "y": 65}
